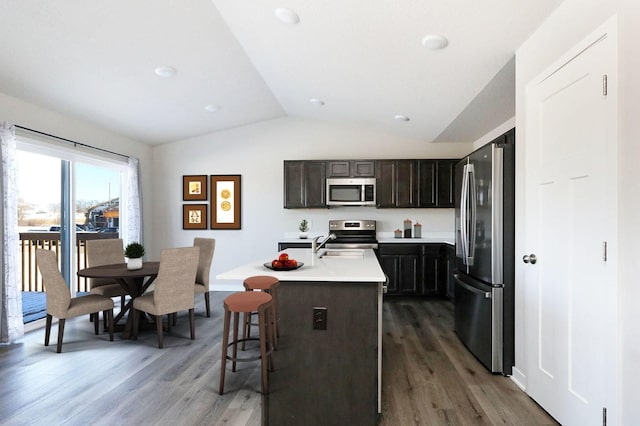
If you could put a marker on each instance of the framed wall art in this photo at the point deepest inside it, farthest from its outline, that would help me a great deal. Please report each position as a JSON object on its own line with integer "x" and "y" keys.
{"x": 225, "y": 201}
{"x": 194, "y": 216}
{"x": 194, "y": 188}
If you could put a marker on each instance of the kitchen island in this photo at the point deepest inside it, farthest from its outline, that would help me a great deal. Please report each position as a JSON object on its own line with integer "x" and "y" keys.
{"x": 329, "y": 357}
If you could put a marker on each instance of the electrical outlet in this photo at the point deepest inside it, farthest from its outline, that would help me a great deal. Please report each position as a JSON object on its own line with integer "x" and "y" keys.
{"x": 319, "y": 318}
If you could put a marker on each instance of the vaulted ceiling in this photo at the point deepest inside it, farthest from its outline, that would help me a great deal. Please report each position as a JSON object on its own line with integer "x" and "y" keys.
{"x": 363, "y": 62}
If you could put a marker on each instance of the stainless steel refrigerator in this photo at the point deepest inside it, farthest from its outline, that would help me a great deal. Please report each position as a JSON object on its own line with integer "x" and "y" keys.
{"x": 484, "y": 218}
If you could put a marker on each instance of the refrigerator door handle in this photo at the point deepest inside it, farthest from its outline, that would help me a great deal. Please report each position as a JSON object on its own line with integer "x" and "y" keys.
{"x": 485, "y": 294}
{"x": 471, "y": 250}
{"x": 468, "y": 221}
{"x": 464, "y": 198}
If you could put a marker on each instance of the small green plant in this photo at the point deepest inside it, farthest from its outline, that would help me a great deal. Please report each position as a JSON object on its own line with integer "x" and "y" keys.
{"x": 304, "y": 226}
{"x": 134, "y": 250}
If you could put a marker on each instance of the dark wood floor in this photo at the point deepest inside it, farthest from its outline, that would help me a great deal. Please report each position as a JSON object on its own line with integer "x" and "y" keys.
{"x": 428, "y": 377}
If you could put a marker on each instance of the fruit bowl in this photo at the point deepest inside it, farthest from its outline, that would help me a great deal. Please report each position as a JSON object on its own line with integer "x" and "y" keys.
{"x": 283, "y": 268}
{"x": 283, "y": 263}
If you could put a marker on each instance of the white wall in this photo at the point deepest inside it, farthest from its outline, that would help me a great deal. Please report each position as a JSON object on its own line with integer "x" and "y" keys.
{"x": 257, "y": 153}
{"x": 570, "y": 23}
{"x": 500, "y": 130}
{"x": 16, "y": 111}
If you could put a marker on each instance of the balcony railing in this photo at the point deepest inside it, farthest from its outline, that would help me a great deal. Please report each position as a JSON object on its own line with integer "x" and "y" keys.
{"x": 30, "y": 241}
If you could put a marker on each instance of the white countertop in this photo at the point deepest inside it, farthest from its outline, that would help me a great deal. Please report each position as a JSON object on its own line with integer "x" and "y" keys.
{"x": 331, "y": 269}
{"x": 388, "y": 237}
{"x": 424, "y": 240}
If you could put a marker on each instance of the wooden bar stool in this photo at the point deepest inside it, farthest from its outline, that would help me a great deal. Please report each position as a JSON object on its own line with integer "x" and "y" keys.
{"x": 245, "y": 302}
{"x": 269, "y": 285}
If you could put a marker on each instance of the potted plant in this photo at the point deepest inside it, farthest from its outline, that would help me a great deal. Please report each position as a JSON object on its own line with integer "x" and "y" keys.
{"x": 303, "y": 227}
{"x": 134, "y": 252}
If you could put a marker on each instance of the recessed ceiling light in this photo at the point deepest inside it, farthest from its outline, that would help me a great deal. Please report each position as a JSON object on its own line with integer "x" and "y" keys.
{"x": 400, "y": 117}
{"x": 315, "y": 101}
{"x": 165, "y": 71}
{"x": 434, "y": 42}
{"x": 287, "y": 16}
{"x": 213, "y": 108}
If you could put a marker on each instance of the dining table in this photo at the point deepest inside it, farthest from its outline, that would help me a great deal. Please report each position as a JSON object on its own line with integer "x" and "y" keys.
{"x": 134, "y": 281}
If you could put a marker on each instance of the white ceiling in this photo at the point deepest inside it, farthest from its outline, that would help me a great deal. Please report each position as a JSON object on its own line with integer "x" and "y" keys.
{"x": 95, "y": 60}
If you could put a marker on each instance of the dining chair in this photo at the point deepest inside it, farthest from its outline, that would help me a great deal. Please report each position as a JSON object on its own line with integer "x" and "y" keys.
{"x": 207, "y": 247}
{"x": 173, "y": 289}
{"x": 106, "y": 252}
{"x": 61, "y": 305}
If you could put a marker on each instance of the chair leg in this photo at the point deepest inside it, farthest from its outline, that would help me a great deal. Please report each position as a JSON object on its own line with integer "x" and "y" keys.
{"x": 262, "y": 319}
{"x": 136, "y": 319}
{"x": 47, "y": 331}
{"x": 225, "y": 343}
{"x": 110, "y": 315}
{"x": 236, "y": 320}
{"x": 246, "y": 328}
{"x": 192, "y": 325}
{"x": 207, "y": 304}
{"x": 96, "y": 322}
{"x": 60, "y": 333}
{"x": 159, "y": 328}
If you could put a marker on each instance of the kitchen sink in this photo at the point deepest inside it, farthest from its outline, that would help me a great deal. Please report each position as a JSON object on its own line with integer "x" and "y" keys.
{"x": 342, "y": 253}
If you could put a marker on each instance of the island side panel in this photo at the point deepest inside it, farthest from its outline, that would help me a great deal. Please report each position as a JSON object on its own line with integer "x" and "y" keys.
{"x": 327, "y": 376}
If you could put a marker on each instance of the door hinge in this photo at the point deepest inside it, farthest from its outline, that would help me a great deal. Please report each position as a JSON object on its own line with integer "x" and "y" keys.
{"x": 604, "y": 416}
{"x": 604, "y": 251}
{"x": 604, "y": 85}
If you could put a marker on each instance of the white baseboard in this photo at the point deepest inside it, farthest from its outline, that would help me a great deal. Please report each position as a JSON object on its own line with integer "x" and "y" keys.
{"x": 519, "y": 379}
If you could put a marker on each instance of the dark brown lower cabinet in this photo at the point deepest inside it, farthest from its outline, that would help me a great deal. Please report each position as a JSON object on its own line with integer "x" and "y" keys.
{"x": 328, "y": 376}
{"x": 451, "y": 270}
{"x": 402, "y": 265}
{"x": 414, "y": 269}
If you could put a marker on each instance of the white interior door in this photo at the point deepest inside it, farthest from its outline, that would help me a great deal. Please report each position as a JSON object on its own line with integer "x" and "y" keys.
{"x": 570, "y": 216}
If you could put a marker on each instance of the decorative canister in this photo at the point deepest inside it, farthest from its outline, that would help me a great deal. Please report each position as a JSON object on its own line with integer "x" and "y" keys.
{"x": 417, "y": 230}
{"x": 407, "y": 228}
{"x": 397, "y": 233}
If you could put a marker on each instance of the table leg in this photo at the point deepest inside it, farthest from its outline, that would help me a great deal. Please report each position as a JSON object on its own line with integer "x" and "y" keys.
{"x": 136, "y": 288}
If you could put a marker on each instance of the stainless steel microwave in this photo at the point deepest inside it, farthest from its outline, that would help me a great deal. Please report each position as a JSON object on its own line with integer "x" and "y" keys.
{"x": 351, "y": 192}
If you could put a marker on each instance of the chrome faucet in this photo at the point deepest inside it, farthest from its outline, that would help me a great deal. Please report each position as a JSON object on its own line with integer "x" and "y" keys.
{"x": 315, "y": 245}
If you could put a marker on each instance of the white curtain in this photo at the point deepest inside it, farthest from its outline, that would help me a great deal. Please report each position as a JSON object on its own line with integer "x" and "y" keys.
{"x": 11, "y": 326}
{"x": 134, "y": 203}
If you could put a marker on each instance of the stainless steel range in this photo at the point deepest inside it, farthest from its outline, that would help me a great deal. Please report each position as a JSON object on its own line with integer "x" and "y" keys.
{"x": 353, "y": 234}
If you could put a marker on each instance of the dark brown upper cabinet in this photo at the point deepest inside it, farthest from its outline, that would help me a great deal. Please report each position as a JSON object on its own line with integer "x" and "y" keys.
{"x": 396, "y": 183}
{"x": 305, "y": 184}
{"x": 351, "y": 168}
{"x": 424, "y": 183}
{"x": 446, "y": 179}
{"x": 436, "y": 183}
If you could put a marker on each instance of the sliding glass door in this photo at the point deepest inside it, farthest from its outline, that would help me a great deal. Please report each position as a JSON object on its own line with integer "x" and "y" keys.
{"x": 64, "y": 198}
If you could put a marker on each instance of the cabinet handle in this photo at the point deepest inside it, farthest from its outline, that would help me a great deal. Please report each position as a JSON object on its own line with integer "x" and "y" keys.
{"x": 530, "y": 258}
